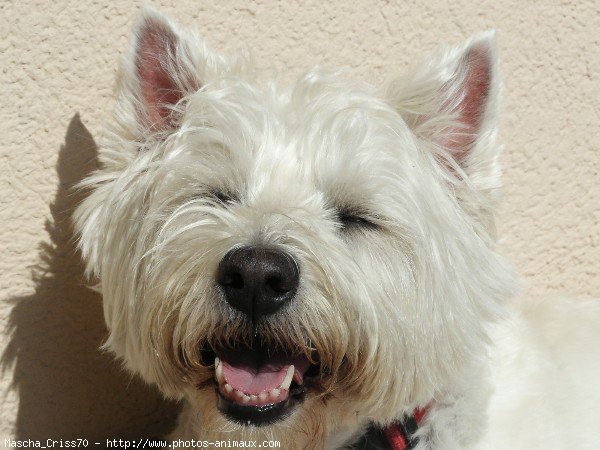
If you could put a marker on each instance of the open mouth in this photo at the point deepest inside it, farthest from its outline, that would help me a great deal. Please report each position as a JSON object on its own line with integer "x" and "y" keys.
{"x": 256, "y": 386}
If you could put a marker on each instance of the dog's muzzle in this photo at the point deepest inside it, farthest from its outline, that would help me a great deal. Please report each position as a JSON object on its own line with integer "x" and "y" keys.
{"x": 258, "y": 384}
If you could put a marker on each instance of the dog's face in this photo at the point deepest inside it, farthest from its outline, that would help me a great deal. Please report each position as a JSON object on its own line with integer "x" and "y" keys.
{"x": 294, "y": 258}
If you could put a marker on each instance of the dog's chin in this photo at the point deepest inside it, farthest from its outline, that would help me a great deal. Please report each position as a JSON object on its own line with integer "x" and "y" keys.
{"x": 258, "y": 386}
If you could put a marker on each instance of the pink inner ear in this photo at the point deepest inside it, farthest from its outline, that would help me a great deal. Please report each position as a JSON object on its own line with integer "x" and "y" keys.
{"x": 474, "y": 90}
{"x": 156, "y": 47}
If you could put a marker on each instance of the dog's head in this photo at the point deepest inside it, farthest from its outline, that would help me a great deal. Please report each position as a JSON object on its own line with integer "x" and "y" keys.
{"x": 296, "y": 256}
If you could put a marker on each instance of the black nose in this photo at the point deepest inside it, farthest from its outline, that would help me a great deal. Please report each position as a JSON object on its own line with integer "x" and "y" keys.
{"x": 258, "y": 281}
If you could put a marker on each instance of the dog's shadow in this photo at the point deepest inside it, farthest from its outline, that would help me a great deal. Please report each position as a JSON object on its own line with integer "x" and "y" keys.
{"x": 66, "y": 387}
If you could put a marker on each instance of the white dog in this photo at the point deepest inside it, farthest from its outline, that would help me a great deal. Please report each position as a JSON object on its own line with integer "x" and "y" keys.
{"x": 317, "y": 264}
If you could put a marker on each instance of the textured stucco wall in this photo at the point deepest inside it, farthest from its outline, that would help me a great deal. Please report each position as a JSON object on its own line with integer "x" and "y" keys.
{"x": 58, "y": 61}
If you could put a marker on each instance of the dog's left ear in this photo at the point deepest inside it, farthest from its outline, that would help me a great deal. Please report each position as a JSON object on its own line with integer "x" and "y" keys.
{"x": 451, "y": 101}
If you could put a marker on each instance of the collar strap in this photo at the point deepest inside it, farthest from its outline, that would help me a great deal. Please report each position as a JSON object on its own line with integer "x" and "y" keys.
{"x": 398, "y": 435}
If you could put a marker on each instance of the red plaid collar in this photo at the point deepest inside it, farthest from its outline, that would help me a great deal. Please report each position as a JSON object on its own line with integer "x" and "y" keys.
{"x": 399, "y": 435}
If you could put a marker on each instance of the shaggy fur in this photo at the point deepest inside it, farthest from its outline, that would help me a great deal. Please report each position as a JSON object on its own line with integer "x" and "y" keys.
{"x": 401, "y": 302}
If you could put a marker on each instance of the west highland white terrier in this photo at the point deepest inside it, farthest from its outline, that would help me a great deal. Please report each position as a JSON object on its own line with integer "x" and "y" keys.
{"x": 317, "y": 264}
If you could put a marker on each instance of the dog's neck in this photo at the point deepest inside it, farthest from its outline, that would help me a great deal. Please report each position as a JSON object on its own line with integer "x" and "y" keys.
{"x": 455, "y": 419}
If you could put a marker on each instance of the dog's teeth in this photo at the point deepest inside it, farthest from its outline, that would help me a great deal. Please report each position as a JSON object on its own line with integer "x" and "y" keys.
{"x": 228, "y": 388}
{"x": 274, "y": 394}
{"x": 262, "y": 396}
{"x": 240, "y": 394}
{"x": 245, "y": 399}
{"x": 253, "y": 398}
{"x": 219, "y": 370}
{"x": 288, "y": 378}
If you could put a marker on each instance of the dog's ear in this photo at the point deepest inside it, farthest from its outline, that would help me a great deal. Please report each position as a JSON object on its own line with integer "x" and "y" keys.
{"x": 450, "y": 100}
{"x": 162, "y": 66}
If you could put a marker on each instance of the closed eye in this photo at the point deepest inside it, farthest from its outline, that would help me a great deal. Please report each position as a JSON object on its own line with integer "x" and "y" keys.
{"x": 355, "y": 220}
{"x": 223, "y": 197}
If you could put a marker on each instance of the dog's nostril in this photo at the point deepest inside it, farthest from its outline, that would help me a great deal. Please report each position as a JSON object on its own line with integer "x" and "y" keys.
{"x": 277, "y": 284}
{"x": 233, "y": 280}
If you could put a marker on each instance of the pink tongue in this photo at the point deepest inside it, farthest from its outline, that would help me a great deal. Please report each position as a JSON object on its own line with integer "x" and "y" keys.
{"x": 247, "y": 372}
{"x": 251, "y": 380}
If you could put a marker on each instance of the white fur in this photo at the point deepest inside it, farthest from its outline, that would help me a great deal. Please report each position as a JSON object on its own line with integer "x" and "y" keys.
{"x": 401, "y": 317}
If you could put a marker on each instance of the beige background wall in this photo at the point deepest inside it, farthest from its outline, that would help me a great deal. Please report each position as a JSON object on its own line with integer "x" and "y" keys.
{"x": 57, "y": 61}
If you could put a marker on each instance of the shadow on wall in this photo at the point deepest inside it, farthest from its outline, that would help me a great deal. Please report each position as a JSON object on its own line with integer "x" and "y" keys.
{"x": 67, "y": 388}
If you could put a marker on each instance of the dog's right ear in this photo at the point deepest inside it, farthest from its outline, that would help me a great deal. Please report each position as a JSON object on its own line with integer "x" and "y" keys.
{"x": 164, "y": 64}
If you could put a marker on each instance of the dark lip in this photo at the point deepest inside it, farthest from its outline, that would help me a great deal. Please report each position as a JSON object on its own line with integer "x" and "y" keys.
{"x": 260, "y": 415}
{"x": 208, "y": 354}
